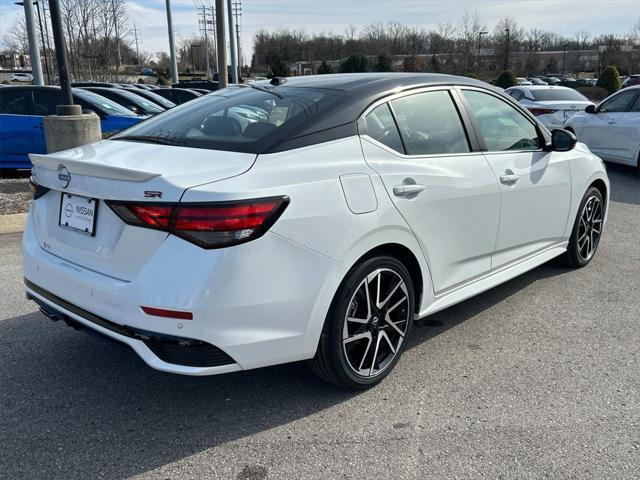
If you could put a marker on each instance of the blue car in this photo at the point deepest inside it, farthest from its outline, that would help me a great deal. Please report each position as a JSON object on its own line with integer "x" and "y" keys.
{"x": 22, "y": 112}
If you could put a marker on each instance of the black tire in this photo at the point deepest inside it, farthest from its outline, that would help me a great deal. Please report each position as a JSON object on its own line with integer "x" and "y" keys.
{"x": 574, "y": 256}
{"x": 332, "y": 362}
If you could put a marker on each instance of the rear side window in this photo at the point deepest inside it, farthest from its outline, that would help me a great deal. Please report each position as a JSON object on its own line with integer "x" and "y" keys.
{"x": 381, "y": 127}
{"x": 243, "y": 119}
{"x": 14, "y": 102}
{"x": 45, "y": 102}
{"x": 502, "y": 126}
{"x": 429, "y": 124}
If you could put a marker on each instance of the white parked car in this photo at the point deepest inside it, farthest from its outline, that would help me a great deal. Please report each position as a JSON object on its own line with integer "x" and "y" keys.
{"x": 552, "y": 105}
{"x": 612, "y": 128}
{"x": 21, "y": 77}
{"x": 524, "y": 81}
{"x": 356, "y": 204}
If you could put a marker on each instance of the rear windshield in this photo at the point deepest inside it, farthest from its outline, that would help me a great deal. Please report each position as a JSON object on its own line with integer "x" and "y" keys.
{"x": 148, "y": 105}
{"x": 552, "y": 94}
{"x": 244, "y": 119}
{"x": 107, "y": 106}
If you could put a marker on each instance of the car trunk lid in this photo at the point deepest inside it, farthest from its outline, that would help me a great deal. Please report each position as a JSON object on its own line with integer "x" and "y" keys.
{"x": 119, "y": 171}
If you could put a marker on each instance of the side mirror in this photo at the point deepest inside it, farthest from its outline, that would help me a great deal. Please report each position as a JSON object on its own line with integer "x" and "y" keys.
{"x": 562, "y": 140}
{"x": 590, "y": 109}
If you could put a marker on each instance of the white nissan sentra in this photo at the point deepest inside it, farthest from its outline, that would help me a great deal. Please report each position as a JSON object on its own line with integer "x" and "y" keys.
{"x": 310, "y": 218}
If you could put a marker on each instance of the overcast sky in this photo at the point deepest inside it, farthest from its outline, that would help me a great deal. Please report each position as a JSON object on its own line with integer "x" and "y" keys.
{"x": 560, "y": 16}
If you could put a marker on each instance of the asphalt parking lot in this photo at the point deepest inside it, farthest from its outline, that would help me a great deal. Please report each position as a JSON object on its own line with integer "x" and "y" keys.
{"x": 537, "y": 378}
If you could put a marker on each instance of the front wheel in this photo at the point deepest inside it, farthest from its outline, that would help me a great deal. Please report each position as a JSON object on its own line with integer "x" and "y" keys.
{"x": 367, "y": 326}
{"x": 587, "y": 229}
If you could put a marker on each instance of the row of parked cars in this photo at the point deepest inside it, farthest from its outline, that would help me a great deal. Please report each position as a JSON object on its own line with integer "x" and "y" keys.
{"x": 119, "y": 106}
{"x": 610, "y": 129}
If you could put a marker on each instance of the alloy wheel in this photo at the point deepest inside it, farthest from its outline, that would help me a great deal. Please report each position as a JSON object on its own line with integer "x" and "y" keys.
{"x": 376, "y": 322}
{"x": 589, "y": 228}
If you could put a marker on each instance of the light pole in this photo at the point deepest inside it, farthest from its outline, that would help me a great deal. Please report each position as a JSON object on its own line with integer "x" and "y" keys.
{"x": 479, "y": 40}
{"x": 172, "y": 48}
{"x": 506, "y": 57}
{"x": 564, "y": 52}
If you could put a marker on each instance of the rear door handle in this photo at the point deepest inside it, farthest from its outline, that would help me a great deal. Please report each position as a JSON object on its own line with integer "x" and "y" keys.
{"x": 408, "y": 190}
{"x": 509, "y": 178}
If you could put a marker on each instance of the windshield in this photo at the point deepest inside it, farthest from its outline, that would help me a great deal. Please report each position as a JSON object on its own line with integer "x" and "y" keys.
{"x": 107, "y": 106}
{"x": 558, "y": 94}
{"x": 241, "y": 119}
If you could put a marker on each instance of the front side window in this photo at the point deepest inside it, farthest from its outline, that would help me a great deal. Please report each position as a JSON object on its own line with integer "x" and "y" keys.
{"x": 429, "y": 124}
{"x": 240, "y": 119}
{"x": 502, "y": 126}
{"x": 14, "y": 102}
{"x": 618, "y": 103}
{"x": 381, "y": 127}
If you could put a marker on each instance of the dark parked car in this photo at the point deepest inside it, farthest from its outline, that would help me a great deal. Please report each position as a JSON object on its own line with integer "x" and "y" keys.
{"x": 178, "y": 95}
{"x": 632, "y": 81}
{"x": 200, "y": 84}
{"x": 96, "y": 84}
{"x": 128, "y": 99}
{"x": 153, "y": 97}
{"x": 22, "y": 110}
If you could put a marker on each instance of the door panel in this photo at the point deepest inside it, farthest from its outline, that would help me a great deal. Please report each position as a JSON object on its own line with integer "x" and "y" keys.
{"x": 626, "y": 137}
{"x": 535, "y": 202}
{"x": 535, "y": 186}
{"x": 455, "y": 218}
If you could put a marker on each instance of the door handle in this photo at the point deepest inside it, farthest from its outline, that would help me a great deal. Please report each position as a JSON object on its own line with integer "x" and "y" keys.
{"x": 509, "y": 178}
{"x": 408, "y": 190}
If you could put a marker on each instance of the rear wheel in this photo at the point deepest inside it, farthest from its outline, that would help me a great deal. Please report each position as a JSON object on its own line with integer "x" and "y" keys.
{"x": 367, "y": 326}
{"x": 587, "y": 229}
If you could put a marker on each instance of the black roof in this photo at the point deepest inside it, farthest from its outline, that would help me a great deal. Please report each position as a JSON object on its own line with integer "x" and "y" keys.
{"x": 361, "y": 90}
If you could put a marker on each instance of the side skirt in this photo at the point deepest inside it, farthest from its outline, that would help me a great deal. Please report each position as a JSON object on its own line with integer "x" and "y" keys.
{"x": 492, "y": 279}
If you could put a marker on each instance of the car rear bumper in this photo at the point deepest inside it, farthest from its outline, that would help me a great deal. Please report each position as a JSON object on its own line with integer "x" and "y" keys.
{"x": 257, "y": 304}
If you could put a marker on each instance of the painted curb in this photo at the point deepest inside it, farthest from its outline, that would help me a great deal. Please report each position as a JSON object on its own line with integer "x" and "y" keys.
{"x": 12, "y": 223}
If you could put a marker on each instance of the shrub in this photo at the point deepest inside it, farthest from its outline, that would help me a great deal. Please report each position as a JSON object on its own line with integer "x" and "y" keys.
{"x": 609, "y": 79}
{"x": 595, "y": 94}
{"x": 355, "y": 63}
{"x": 383, "y": 64}
{"x": 507, "y": 79}
{"x": 324, "y": 68}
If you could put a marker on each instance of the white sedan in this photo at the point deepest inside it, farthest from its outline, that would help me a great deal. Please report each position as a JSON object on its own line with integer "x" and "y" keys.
{"x": 21, "y": 77}
{"x": 320, "y": 230}
{"x": 612, "y": 129}
{"x": 552, "y": 105}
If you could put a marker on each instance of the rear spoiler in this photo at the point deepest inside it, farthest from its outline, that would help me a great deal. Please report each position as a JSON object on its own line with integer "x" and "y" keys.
{"x": 92, "y": 169}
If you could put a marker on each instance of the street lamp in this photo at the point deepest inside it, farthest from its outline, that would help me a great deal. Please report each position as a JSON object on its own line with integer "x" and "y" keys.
{"x": 506, "y": 58}
{"x": 479, "y": 40}
{"x": 564, "y": 52}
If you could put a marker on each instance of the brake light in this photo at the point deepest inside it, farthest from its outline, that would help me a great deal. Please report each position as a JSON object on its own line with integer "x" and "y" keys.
{"x": 541, "y": 111}
{"x": 209, "y": 225}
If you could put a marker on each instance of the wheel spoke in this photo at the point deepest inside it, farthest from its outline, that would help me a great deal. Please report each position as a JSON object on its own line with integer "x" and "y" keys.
{"x": 355, "y": 338}
{"x": 395, "y": 327}
{"x": 395, "y": 289}
{"x": 366, "y": 350}
{"x": 391, "y": 309}
{"x": 375, "y": 354}
{"x": 386, "y": 337}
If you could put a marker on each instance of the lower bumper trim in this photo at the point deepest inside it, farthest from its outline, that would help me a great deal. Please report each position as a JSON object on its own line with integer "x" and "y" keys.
{"x": 168, "y": 348}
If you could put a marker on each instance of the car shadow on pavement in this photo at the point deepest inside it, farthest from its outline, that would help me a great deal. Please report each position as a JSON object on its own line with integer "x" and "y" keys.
{"x": 79, "y": 407}
{"x": 625, "y": 183}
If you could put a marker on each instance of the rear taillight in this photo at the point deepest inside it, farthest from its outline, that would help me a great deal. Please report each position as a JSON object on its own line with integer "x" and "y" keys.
{"x": 541, "y": 111}
{"x": 209, "y": 225}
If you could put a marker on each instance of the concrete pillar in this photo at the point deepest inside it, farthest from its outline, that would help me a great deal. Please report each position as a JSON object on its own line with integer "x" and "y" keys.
{"x": 68, "y": 131}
